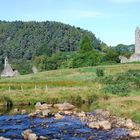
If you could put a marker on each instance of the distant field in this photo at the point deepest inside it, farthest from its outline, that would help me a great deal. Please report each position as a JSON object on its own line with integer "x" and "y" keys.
{"x": 72, "y": 85}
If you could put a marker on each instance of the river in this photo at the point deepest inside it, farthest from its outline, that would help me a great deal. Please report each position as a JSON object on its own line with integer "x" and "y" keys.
{"x": 68, "y": 128}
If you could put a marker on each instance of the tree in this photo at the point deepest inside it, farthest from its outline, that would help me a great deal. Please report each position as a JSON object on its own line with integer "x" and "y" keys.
{"x": 85, "y": 44}
{"x": 111, "y": 55}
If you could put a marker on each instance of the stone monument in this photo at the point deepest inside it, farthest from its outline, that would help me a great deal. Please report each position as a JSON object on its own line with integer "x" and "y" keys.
{"x": 8, "y": 71}
{"x": 136, "y": 56}
{"x": 34, "y": 69}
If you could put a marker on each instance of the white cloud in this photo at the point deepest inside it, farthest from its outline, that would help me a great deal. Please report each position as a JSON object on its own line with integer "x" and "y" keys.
{"x": 124, "y": 1}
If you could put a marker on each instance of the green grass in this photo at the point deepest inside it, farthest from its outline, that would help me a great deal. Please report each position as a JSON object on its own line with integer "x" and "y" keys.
{"x": 75, "y": 86}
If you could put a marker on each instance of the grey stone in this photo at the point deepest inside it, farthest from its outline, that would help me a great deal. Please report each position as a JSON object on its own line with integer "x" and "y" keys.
{"x": 2, "y": 138}
{"x": 94, "y": 125}
{"x": 134, "y": 133}
{"x": 8, "y": 71}
{"x": 32, "y": 136}
{"x": 129, "y": 124}
{"x": 34, "y": 69}
{"x": 37, "y": 105}
{"x": 123, "y": 59}
{"x": 23, "y": 111}
{"x": 58, "y": 116}
{"x": 45, "y": 112}
{"x": 64, "y": 106}
{"x": 106, "y": 125}
{"x": 25, "y": 134}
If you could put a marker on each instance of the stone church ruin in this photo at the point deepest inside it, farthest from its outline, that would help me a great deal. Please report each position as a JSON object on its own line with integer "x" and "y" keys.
{"x": 136, "y": 56}
{"x": 8, "y": 71}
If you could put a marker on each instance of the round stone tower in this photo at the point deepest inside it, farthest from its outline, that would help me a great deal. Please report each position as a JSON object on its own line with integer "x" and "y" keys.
{"x": 137, "y": 40}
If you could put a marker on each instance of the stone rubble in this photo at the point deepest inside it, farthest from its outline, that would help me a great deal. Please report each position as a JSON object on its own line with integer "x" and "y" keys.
{"x": 99, "y": 119}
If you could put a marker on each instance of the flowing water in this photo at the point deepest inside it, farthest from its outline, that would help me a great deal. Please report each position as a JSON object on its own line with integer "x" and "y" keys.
{"x": 68, "y": 128}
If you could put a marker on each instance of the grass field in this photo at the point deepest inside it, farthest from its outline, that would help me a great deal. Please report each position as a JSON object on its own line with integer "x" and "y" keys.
{"x": 72, "y": 85}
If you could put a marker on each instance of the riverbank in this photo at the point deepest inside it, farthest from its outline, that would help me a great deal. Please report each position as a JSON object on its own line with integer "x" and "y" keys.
{"x": 76, "y": 86}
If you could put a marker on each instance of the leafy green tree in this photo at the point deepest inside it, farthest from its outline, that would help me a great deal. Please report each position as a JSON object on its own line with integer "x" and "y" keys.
{"x": 125, "y": 50}
{"x": 111, "y": 55}
{"x": 85, "y": 44}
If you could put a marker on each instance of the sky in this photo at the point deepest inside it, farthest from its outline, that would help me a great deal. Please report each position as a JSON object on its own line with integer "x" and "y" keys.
{"x": 112, "y": 21}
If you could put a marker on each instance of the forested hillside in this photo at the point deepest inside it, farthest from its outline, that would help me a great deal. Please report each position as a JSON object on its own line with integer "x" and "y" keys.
{"x": 23, "y": 41}
{"x": 52, "y": 45}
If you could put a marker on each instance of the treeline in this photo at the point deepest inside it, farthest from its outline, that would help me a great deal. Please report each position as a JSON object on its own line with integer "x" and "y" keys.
{"x": 51, "y": 45}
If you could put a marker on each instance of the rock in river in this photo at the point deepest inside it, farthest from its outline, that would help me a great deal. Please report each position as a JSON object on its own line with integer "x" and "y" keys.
{"x": 45, "y": 113}
{"x": 58, "y": 116}
{"x": 25, "y": 134}
{"x": 28, "y": 135}
{"x": 2, "y": 138}
{"x": 32, "y": 136}
{"x": 64, "y": 106}
{"x": 106, "y": 125}
{"x": 134, "y": 133}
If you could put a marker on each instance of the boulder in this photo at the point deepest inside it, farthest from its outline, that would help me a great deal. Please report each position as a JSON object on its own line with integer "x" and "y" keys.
{"x": 106, "y": 125}
{"x": 40, "y": 106}
{"x": 43, "y": 138}
{"x": 44, "y": 106}
{"x": 28, "y": 135}
{"x": 68, "y": 112}
{"x": 134, "y": 133}
{"x": 129, "y": 124}
{"x": 32, "y": 136}
{"x": 117, "y": 121}
{"x": 2, "y": 138}
{"x": 25, "y": 134}
{"x": 38, "y": 111}
{"x": 64, "y": 106}
{"x": 45, "y": 113}
{"x": 23, "y": 111}
{"x": 102, "y": 113}
{"x": 16, "y": 110}
{"x": 37, "y": 105}
{"x": 32, "y": 114}
{"x": 58, "y": 116}
{"x": 81, "y": 114}
{"x": 94, "y": 125}
{"x": 49, "y": 105}
{"x": 122, "y": 122}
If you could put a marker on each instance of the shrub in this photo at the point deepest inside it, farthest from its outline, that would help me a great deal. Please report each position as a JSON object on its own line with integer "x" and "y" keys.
{"x": 6, "y": 101}
{"x": 106, "y": 96}
{"x": 118, "y": 89}
{"x": 136, "y": 117}
{"x": 121, "y": 83}
{"x": 99, "y": 72}
{"x": 92, "y": 98}
{"x": 75, "y": 100}
{"x": 52, "y": 100}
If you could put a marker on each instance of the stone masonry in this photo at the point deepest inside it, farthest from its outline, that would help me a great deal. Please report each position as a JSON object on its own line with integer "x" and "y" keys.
{"x": 136, "y": 56}
{"x": 8, "y": 71}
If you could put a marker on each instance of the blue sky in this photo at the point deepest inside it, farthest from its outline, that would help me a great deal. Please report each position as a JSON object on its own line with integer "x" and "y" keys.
{"x": 113, "y": 21}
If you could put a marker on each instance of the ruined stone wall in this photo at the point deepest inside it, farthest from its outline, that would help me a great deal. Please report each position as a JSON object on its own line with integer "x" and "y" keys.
{"x": 8, "y": 71}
